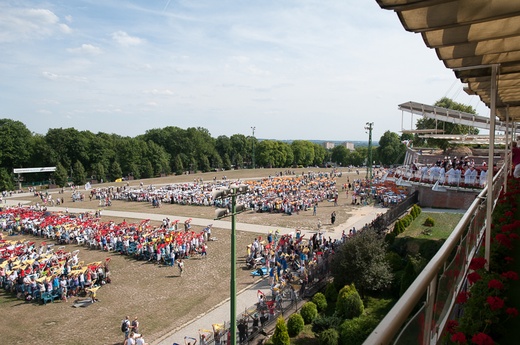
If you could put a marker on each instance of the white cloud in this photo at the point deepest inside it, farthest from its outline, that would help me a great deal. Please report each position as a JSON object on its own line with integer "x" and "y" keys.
{"x": 86, "y": 49}
{"x": 54, "y": 76}
{"x": 126, "y": 40}
{"x": 22, "y": 23}
{"x": 158, "y": 92}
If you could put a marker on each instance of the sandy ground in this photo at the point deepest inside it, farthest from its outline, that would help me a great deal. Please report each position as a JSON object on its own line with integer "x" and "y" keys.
{"x": 157, "y": 295}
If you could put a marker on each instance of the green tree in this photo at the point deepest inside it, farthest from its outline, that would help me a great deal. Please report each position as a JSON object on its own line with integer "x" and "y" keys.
{"x": 391, "y": 150}
{"x": 339, "y": 155}
{"x": 295, "y": 324}
{"x": 15, "y": 141}
{"x": 147, "y": 170}
{"x": 204, "y": 165}
{"x": 60, "y": 175}
{"x": 309, "y": 312}
{"x": 329, "y": 337}
{"x": 303, "y": 151}
{"x": 98, "y": 170}
{"x": 226, "y": 162}
{"x": 6, "y": 180}
{"x": 446, "y": 127}
{"x": 321, "y": 155}
{"x": 281, "y": 335}
{"x": 349, "y": 304}
{"x": 79, "y": 176}
{"x": 115, "y": 171}
{"x": 178, "y": 167}
{"x": 361, "y": 260}
{"x": 320, "y": 301}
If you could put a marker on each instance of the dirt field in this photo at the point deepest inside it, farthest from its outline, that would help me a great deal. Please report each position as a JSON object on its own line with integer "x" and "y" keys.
{"x": 157, "y": 295}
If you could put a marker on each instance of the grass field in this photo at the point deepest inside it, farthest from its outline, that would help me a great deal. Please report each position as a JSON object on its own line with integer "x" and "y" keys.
{"x": 444, "y": 225}
{"x": 157, "y": 295}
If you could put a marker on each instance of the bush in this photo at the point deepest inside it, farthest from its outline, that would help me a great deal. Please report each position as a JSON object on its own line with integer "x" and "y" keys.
{"x": 355, "y": 331}
{"x": 407, "y": 220}
{"x": 331, "y": 294}
{"x": 398, "y": 227}
{"x": 395, "y": 261}
{"x": 281, "y": 336}
{"x": 295, "y": 324}
{"x": 322, "y": 323}
{"x": 390, "y": 237}
{"x": 429, "y": 222}
{"x": 320, "y": 301}
{"x": 329, "y": 337}
{"x": 349, "y": 304}
{"x": 309, "y": 312}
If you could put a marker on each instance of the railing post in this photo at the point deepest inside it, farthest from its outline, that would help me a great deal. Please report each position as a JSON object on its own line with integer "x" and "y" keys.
{"x": 428, "y": 313}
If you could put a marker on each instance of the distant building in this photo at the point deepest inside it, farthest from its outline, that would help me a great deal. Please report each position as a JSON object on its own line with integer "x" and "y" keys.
{"x": 328, "y": 145}
{"x": 348, "y": 145}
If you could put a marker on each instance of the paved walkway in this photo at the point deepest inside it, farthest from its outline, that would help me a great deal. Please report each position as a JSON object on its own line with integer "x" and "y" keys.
{"x": 248, "y": 296}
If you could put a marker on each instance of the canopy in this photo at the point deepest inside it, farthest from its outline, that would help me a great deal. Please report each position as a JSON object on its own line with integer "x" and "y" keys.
{"x": 470, "y": 36}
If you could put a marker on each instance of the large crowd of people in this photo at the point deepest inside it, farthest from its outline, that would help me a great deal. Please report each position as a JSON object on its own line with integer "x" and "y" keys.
{"x": 278, "y": 194}
{"x": 35, "y": 271}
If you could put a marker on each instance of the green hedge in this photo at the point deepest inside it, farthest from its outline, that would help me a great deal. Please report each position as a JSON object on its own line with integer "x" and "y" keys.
{"x": 295, "y": 324}
{"x": 309, "y": 312}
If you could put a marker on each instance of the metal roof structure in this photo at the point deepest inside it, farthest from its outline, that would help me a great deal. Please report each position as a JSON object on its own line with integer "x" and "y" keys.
{"x": 452, "y": 116}
{"x": 478, "y": 39}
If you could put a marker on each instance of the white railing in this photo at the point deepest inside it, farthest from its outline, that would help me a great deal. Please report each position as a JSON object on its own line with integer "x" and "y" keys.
{"x": 432, "y": 295}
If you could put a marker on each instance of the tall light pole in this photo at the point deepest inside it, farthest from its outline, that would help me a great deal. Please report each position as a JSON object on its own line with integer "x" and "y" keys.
{"x": 369, "y": 126}
{"x": 253, "y": 128}
{"x": 232, "y": 192}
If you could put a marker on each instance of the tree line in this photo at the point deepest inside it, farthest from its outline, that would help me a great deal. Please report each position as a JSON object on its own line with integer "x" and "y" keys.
{"x": 80, "y": 156}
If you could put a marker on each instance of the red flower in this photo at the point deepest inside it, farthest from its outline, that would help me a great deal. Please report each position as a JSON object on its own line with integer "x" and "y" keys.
{"x": 512, "y": 312}
{"x": 482, "y": 339}
{"x": 495, "y": 284}
{"x": 503, "y": 240}
{"x": 509, "y": 259}
{"x": 513, "y": 236}
{"x": 477, "y": 263}
{"x": 495, "y": 303}
{"x": 474, "y": 277}
{"x": 453, "y": 324}
{"x": 462, "y": 297}
{"x": 459, "y": 338}
{"x": 512, "y": 275}
{"x": 508, "y": 214}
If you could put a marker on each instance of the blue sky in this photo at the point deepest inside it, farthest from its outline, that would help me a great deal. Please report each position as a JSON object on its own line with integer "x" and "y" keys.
{"x": 297, "y": 69}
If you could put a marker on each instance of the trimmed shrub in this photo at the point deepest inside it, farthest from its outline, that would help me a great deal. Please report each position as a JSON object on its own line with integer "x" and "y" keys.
{"x": 281, "y": 336}
{"x": 390, "y": 237}
{"x": 295, "y": 324}
{"x": 329, "y": 337}
{"x": 349, "y": 304}
{"x": 355, "y": 331}
{"x": 398, "y": 227}
{"x": 309, "y": 312}
{"x": 320, "y": 301}
{"x": 322, "y": 323}
{"x": 429, "y": 222}
{"x": 395, "y": 260}
{"x": 331, "y": 294}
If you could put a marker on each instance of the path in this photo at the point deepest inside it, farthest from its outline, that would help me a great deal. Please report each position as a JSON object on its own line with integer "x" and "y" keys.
{"x": 246, "y": 297}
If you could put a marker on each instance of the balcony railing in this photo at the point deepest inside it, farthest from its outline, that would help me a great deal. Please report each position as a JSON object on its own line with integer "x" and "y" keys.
{"x": 420, "y": 315}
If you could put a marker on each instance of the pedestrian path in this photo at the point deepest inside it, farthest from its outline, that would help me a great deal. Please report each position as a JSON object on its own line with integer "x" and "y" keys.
{"x": 359, "y": 217}
{"x": 246, "y": 297}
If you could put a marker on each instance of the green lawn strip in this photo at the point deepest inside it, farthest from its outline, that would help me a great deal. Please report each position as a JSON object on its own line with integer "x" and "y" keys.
{"x": 444, "y": 225}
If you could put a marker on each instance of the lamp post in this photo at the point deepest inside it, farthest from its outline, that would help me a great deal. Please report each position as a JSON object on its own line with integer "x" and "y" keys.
{"x": 253, "y": 128}
{"x": 369, "y": 126}
{"x": 232, "y": 192}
